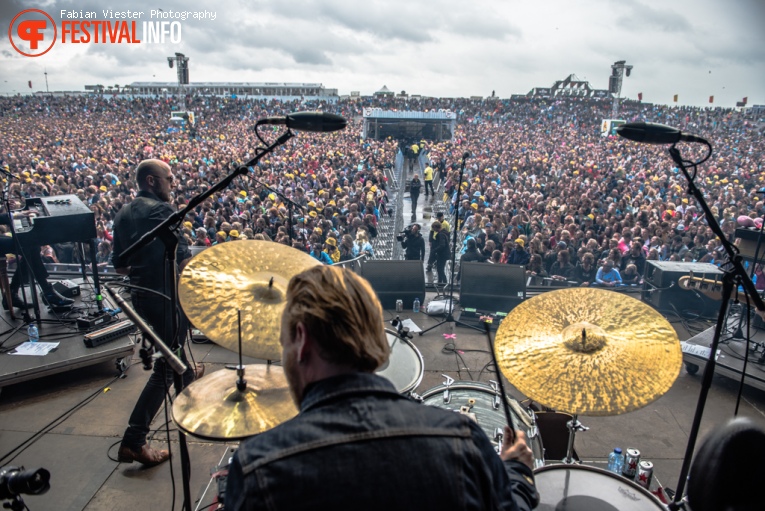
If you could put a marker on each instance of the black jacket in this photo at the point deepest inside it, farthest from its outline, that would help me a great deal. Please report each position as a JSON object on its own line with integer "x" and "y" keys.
{"x": 415, "y": 247}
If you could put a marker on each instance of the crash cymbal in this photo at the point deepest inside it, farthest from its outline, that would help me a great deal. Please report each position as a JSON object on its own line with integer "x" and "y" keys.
{"x": 628, "y": 356}
{"x": 214, "y": 409}
{"x": 250, "y": 275}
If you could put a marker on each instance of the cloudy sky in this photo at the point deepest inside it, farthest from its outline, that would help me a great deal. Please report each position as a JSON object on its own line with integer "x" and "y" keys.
{"x": 694, "y": 48}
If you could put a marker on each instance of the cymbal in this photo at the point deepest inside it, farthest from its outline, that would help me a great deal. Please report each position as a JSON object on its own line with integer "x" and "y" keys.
{"x": 628, "y": 357}
{"x": 251, "y": 275}
{"x": 214, "y": 409}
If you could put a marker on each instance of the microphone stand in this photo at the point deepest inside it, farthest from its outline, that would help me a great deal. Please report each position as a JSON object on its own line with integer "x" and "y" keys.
{"x": 450, "y": 316}
{"x": 166, "y": 232}
{"x": 736, "y": 273}
{"x": 290, "y": 204}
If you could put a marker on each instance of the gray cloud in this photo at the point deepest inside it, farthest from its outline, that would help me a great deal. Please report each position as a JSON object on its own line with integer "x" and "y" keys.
{"x": 642, "y": 17}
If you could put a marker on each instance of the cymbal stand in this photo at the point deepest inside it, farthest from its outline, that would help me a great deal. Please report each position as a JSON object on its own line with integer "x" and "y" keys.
{"x": 573, "y": 426}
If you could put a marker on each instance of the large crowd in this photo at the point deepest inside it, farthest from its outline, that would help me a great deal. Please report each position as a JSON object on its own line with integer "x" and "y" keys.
{"x": 542, "y": 186}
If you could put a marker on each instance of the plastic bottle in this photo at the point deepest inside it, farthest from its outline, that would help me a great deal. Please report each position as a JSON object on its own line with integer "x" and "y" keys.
{"x": 34, "y": 334}
{"x": 416, "y": 307}
{"x": 616, "y": 461}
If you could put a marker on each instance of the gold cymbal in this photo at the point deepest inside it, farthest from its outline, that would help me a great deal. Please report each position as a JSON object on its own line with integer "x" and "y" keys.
{"x": 629, "y": 356}
{"x": 214, "y": 409}
{"x": 250, "y": 275}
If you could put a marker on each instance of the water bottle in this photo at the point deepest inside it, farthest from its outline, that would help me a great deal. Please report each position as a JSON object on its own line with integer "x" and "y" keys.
{"x": 616, "y": 461}
{"x": 34, "y": 334}
{"x": 416, "y": 307}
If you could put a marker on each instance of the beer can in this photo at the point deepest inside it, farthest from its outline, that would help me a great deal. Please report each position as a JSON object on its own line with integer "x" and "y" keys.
{"x": 631, "y": 461}
{"x": 644, "y": 474}
{"x": 399, "y": 305}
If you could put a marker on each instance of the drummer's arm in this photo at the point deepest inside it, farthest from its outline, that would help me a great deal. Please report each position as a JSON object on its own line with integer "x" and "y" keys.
{"x": 514, "y": 478}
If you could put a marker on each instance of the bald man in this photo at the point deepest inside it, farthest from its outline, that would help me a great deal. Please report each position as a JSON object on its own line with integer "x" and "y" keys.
{"x": 148, "y": 269}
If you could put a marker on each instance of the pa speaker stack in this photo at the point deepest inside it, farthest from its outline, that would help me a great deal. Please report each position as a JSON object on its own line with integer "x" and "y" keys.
{"x": 661, "y": 289}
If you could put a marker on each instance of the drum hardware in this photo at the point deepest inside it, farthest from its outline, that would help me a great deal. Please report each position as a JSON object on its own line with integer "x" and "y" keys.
{"x": 573, "y": 426}
{"x": 487, "y": 329}
{"x": 213, "y": 409}
{"x": 585, "y": 487}
{"x": 447, "y": 383}
{"x": 477, "y": 398}
{"x": 250, "y": 275}
{"x": 405, "y": 366}
{"x": 497, "y": 398}
{"x": 619, "y": 354}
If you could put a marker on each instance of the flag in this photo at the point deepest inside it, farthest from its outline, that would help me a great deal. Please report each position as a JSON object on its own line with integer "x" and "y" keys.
{"x": 675, "y": 98}
{"x": 30, "y": 84}
{"x": 640, "y": 96}
{"x": 711, "y": 99}
{"x": 745, "y": 99}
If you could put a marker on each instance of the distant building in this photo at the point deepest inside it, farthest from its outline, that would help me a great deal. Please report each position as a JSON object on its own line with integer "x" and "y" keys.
{"x": 384, "y": 92}
{"x": 569, "y": 87}
{"x": 267, "y": 90}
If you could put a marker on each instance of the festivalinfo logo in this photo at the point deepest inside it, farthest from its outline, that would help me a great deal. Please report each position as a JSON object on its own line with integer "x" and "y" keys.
{"x": 34, "y": 32}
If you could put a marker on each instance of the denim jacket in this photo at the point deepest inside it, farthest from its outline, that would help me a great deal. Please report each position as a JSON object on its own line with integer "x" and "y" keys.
{"x": 358, "y": 444}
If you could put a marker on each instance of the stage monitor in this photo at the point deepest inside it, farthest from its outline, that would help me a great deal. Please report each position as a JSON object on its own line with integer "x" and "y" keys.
{"x": 396, "y": 280}
{"x": 492, "y": 287}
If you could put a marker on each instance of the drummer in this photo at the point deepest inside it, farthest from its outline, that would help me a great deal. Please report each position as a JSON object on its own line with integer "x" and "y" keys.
{"x": 356, "y": 442}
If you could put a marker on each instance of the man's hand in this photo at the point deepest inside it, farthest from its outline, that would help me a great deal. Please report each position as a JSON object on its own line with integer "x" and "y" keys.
{"x": 518, "y": 450}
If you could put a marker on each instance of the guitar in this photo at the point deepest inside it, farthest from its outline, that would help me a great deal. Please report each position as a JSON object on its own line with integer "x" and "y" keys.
{"x": 710, "y": 288}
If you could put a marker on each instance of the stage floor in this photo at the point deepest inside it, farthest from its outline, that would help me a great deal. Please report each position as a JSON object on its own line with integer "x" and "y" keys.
{"x": 77, "y": 450}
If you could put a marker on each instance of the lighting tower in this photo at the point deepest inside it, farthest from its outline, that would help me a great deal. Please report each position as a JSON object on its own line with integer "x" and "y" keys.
{"x": 618, "y": 69}
{"x": 183, "y": 75}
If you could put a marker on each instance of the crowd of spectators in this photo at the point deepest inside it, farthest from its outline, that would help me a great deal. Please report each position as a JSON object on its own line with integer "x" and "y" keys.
{"x": 542, "y": 187}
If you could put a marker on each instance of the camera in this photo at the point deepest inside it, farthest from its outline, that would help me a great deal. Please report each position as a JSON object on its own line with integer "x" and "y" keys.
{"x": 16, "y": 480}
{"x": 405, "y": 233}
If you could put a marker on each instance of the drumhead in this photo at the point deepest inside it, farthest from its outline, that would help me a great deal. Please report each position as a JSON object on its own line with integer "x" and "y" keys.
{"x": 486, "y": 415}
{"x": 584, "y": 488}
{"x": 405, "y": 367}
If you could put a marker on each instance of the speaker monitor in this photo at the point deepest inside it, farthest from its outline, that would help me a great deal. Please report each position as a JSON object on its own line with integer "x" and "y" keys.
{"x": 661, "y": 289}
{"x": 395, "y": 280}
{"x": 492, "y": 287}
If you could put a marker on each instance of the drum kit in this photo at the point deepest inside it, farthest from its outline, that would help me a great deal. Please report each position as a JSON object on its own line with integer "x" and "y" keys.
{"x": 578, "y": 351}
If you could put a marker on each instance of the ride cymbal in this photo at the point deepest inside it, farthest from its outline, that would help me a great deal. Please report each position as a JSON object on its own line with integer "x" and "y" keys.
{"x": 214, "y": 409}
{"x": 588, "y": 351}
{"x": 250, "y": 275}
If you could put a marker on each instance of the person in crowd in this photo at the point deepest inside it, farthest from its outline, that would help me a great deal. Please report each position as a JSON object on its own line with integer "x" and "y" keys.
{"x": 586, "y": 271}
{"x": 348, "y": 249}
{"x": 441, "y": 249}
{"x": 414, "y": 244}
{"x": 630, "y": 275}
{"x": 362, "y": 244}
{"x": 608, "y": 275}
{"x": 519, "y": 255}
{"x": 414, "y": 193}
{"x": 636, "y": 257}
{"x": 428, "y": 177}
{"x": 356, "y": 418}
{"x": 318, "y": 254}
{"x": 562, "y": 269}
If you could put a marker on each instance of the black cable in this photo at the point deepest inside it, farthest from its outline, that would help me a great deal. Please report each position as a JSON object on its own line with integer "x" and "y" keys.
{"x": 167, "y": 429}
{"x": 54, "y": 423}
{"x": 746, "y": 359}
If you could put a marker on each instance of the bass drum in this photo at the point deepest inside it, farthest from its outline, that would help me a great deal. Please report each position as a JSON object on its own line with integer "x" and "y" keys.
{"x": 405, "y": 367}
{"x": 484, "y": 404}
{"x": 583, "y": 488}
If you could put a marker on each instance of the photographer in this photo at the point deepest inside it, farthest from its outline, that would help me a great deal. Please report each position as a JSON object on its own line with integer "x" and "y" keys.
{"x": 413, "y": 242}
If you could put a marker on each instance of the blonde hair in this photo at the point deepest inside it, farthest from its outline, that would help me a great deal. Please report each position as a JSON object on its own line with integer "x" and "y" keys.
{"x": 340, "y": 311}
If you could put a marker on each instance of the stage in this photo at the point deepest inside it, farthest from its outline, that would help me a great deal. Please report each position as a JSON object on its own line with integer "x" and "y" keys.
{"x": 77, "y": 450}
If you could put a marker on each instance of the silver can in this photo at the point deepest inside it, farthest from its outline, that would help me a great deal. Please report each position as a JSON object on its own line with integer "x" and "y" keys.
{"x": 399, "y": 305}
{"x": 645, "y": 474}
{"x": 631, "y": 462}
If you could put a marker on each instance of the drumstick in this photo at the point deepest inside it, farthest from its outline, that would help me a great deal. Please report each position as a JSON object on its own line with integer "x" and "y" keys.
{"x": 508, "y": 417}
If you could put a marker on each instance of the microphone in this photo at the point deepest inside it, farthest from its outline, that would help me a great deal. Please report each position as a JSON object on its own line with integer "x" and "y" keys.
{"x": 307, "y": 121}
{"x": 466, "y": 155}
{"x": 652, "y": 133}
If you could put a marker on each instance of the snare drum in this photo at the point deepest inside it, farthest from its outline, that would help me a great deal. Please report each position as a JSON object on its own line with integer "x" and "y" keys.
{"x": 404, "y": 368}
{"x": 579, "y": 487}
{"x": 484, "y": 404}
